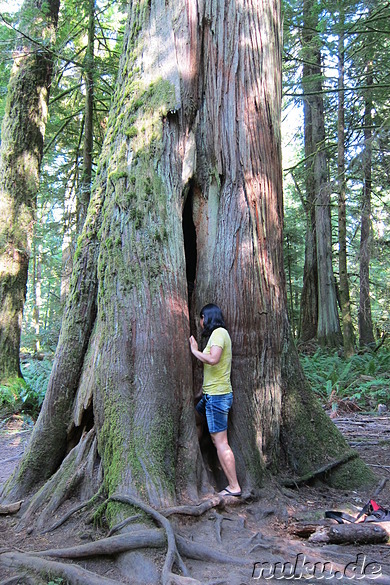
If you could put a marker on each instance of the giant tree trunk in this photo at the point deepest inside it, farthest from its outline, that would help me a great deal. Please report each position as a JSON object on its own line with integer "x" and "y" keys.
{"x": 187, "y": 210}
{"x": 22, "y": 138}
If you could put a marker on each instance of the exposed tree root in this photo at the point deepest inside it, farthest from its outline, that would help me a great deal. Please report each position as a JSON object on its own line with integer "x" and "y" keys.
{"x": 113, "y": 545}
{"x": 294, "y": 482}
{"x": 124, "y": 523}
{"x": 179, "y": 580}
{"x": 196, "y": 510}
{"x": 172, "y": 555}
{"x": 70, "y": 513}
{"x": 218, "y": 525}
{"x": 14, "y": 580}
{"x": 200, "y": 552}
{"x": 11, "y": 508}
{"x": 148, "y": 538}
{"x": 63, "y": 483}
{"x": 72, "y": 574}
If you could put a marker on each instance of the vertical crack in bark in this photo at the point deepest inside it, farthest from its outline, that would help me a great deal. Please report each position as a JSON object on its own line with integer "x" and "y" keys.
{"x": 190, "y": 246}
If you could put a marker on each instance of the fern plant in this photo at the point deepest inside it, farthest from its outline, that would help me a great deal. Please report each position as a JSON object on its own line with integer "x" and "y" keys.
{"x": 27, "y": 394}
{"x": 364, "y": 378}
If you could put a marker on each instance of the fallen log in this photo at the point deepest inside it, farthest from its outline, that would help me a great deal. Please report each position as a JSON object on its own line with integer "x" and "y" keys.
{"x": 305, "y": 529}
{"x": 363, "y": 533}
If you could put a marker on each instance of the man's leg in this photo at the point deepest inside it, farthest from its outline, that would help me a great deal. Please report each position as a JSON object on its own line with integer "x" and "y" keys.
{"x": 226, "y": 459}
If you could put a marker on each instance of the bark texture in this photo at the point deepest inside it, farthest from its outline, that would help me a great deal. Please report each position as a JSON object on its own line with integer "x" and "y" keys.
{"x": 187, "y": 210}
{"x": 22, "y": 136}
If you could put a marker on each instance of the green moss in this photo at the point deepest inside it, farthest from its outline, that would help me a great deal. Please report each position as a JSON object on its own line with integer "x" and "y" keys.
{"x": 131, "y": 132}
{"x": 309, "y": 438}
{"x": 118, "y": 174}
{"x": 112, "y": 446}
{"x": 355, "y": 475}
{"x": 155, "y": 451}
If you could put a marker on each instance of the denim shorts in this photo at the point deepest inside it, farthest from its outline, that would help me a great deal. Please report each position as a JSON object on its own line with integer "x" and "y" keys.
{"x": 216, "y": 409}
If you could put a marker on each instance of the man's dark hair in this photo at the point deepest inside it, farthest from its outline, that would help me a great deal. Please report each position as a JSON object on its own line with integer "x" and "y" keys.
{"x": 212, "y": 318}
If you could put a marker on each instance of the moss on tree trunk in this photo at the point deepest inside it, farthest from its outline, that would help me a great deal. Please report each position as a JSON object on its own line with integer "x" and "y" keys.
{"x": 22, "y": 136}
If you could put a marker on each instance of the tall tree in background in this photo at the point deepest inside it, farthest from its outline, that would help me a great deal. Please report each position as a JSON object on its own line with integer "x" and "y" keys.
{"x": 22, "y": 139}
{"x": 366, "y": 334}
{"x": 348, "y": 332}
{"x": 318, "y": 194}
{"x": 310, "y": 73}
{"x": 86, "y": 178}
{"x": 188, "y": 192}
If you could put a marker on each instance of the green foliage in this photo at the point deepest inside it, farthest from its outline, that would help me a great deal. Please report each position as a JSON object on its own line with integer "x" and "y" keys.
{"x": 363, "y": 378}
{"x": 26, "y": 394}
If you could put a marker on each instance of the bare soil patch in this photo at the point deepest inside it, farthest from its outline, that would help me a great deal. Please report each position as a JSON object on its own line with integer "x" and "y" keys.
{"x": 250, "y": 537}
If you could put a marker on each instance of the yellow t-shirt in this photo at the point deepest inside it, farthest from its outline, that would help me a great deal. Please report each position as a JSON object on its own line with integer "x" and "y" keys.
{"x": 216, "y": 379}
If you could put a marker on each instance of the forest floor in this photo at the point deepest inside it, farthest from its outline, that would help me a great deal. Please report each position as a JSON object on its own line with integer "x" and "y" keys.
{"x": 251, "y": 536}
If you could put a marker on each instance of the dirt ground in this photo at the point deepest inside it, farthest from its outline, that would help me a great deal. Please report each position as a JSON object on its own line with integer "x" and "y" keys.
{"x": 254, "y": 537}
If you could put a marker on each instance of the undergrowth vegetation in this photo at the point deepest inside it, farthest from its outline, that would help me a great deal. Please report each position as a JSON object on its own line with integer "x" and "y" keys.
{"x": 26, "y": 394}
{"x": 363, "y": 379}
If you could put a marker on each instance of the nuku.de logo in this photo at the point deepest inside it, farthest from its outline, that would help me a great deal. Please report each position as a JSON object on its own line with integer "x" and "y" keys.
{"x": 301, "y": 568}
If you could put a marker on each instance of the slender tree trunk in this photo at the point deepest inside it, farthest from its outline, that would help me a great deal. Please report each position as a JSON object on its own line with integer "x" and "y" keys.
{"x": 188, "y": 194}
{"x": 348, "y": 333}
{"x": 309, "y": 296}
{"x": 22, "y": 137}
{"x": 86, "y": 177}
{"x": 328, "y": 325}
{"x": 366, "y": 334}
{"x": 37, "y": 284}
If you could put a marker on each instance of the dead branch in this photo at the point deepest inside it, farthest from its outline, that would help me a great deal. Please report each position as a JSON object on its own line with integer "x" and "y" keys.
{"x": 147, "y": 538}
{"x": 72, "y": 574}
{"x": 380, "y": 487}
{"x": 11, "y": 508}
{"x": 172, "y": 555}
{"x": 324, "y": 469}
